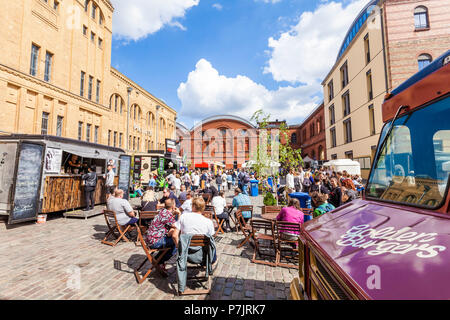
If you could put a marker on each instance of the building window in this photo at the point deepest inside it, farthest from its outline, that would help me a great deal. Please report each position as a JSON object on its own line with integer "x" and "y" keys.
{"x": 55, "y": 5}
{"x": 83, "y": 76}
{"x": 85, "y": 29}
{"x": 311, "y": 130}
{"x": 348, "y": 131}
{"x": 334, "y": 157}
{"x": 34, "y": 59}
{"x": 115, "y": 139}
{"x": 330, "y": 90}
{"x": 100, "y": 43}
{"x": 86, "y": 5}
{"x": 59, "y": 125}
{"x": 120, "y": 139}
{"x": 94, "y": 8}
{"x": 44, "y": 128}
{"x": 333, "y": 137}
{"x": 331, "y": 114}
{"x": 96, "y": 134}
{"x": 97, "y": 92}
{"x": 134, "y": 143}
{"x": 369, "y": 85}
{"x": 91, "y": 79}
{"x": 88, "y": 132}
{"x": 346, "y": 103}
{"x": 80, "y": 130}
{"x": 421, "y": 18}
{"x": 349, "y": 155}
{"x": 100, "y": 21}
{"x": 304, "y": 135}
{"x": 138, "y": 144}
{"x": 294, "y": 138}
{"x": 344, "y": 75}
{"x": 372, "y": 119}
{"x": 48, "y": 66}
{"x": 92, "y": 36}
{"x": 109, "y": 137}
{"x": 367, "y": 48}
{"x": 424, "y": 60}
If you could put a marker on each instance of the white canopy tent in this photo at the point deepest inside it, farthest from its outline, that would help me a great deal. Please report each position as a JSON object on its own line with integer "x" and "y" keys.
{"x": 352, "y": 167}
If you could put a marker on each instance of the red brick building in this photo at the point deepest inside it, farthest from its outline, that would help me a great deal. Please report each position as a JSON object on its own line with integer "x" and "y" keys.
{"x": 311, "y": 135}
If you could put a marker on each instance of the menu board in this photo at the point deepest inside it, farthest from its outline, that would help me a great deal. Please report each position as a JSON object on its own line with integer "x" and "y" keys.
{"x": 137, "y": 168}
{"x": 28, "y": 183}
{"x": 124, "y": 175}
{"x": 154, "y": 164}
{"x": 53, "y": 159}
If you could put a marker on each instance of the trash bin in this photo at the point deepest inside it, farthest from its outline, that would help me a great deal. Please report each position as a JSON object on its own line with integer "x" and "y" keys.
{"x": 305, "y": 201}
{"x": 270, "y": 182}
{"x": 254, "y": 188}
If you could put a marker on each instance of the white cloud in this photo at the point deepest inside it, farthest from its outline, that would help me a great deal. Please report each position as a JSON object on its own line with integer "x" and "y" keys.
{"x": 136, "y": 19}
{"x": 268, "y": 1}
{"x": 217, "y": 6}
{"x": 207, "y": 93}
{"x": 308, "y": 50}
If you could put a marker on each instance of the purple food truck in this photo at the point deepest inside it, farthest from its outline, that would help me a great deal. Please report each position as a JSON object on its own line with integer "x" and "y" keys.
{"x": 394, "y": 243}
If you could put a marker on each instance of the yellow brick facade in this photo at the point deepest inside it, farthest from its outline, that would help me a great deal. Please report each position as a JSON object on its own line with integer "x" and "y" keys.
{"x": 78, "y": 40}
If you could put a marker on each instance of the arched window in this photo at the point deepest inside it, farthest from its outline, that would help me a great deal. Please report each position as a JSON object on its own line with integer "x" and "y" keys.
{"x": 135, "y": 112}
{"x": 116, "y": 103}
{"x": 150, "y": 120}
{"x": 321, "y": 153}
{"x": 424, "y": 60}
{"x": 421, "y": 18}
{"x": 294, "y": 138}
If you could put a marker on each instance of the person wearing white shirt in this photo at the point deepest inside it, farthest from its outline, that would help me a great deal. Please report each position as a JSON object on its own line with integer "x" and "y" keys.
{"x": 193, "y": 222}
{"x": 195, "y": 181}
{"x": 290, "y": 181}
{"x": 187, "y": 205}
{"x": 219, "y": 203}
{"x": 177, "y": 183}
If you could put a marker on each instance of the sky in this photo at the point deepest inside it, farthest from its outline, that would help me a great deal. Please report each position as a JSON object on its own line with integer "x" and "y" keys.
{"x": 211, "y": 57}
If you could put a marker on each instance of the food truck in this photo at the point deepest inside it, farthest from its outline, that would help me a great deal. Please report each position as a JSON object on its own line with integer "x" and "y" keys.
{"x": 394, "y": 243}
{"x": 41, "y": 174}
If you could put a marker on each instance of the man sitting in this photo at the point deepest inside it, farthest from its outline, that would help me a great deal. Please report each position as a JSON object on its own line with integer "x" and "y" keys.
{"x": 167, "y": 194}
{"x": 220, "y": 204}
{"x": 241, "y": 199}
{"x": 159, "y": 233}
{"x": 124, "y": 212}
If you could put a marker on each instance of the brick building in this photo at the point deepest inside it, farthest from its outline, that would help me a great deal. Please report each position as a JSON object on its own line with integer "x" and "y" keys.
{"x": 311, "y": 135}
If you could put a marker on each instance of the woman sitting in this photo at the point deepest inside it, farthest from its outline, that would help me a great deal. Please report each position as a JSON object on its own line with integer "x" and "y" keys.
{"x": 291, "y": 213}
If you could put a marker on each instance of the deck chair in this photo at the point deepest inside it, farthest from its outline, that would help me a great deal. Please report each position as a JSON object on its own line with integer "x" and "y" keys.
{"x": 203, "y": 242}
{"x": 265, "y": 241}
{"x": 146, "y": 215}
{"x": 149, "y": 257}
{"x": 218, "y": 224}
{"x": 115, "y": 229}
{"x": 287, "y": 248}
{"x": 245, "y": 229}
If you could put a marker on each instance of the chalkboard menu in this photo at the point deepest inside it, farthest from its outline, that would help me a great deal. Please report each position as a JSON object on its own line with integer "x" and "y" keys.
{"x": 28, "y": 183}
{"x": 137, "y": 168}
{"x": 124, "y": 175}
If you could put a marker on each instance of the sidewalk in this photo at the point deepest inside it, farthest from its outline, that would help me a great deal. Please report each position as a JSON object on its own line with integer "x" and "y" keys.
{"x": 64, "y": 259}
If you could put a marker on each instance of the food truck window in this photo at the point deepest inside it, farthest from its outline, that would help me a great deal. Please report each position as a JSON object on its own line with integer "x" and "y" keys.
{"x": 75, "y": 164}
{"x": 414, "y": 165}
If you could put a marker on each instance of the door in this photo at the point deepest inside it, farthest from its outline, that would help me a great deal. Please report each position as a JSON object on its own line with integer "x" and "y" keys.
{"x": 8, "y": 156}
{"x": 27, "y": 184}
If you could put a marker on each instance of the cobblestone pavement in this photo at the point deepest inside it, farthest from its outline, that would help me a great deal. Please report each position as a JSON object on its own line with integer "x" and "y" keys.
{"x": 46, "y": 261}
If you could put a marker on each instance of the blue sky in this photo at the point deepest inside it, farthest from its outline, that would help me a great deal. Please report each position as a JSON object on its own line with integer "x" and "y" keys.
{"x": 205, "y": 57}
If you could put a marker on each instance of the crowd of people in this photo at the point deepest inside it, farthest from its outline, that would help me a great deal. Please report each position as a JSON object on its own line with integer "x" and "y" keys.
{"x": 180, "y": 206}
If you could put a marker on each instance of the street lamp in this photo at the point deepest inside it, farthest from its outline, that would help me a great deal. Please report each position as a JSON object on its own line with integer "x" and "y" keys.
{"x": 130, "y": 89}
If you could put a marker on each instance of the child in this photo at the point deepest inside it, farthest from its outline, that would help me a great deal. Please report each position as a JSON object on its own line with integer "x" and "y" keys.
{"x": 321, "y": 204}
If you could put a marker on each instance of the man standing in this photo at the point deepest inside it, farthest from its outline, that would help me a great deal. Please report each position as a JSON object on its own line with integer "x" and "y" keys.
{"x": 90, "y": 183}
{"x": 109, "y": 183}
{"x": 124, "y": 212}
{"x": 171, "y": 177}
{"x": 290, "y": 184}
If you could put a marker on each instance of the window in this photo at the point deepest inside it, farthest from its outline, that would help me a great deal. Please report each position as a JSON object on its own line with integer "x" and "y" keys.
{"x": 80, "y": 130}
{"x": 349, "y": 155}
{"x": 294, "y": 138}
{"x": 55, "y": 5}
{"x": 92, "y": 36}
{"x": 421, "y": 18}
{"x": 330, "y": 90}
{"x": 94, "y": 9}
{"x": 88, "y": 132}
{"x": 120, "y": 140}
{"x": 372, "y": 119}
{"x": 346, "y": 103}
{"x": 367, "y": 48}
{"x": 304, "y": 135}
{"x": 311, "y": 130}
{"x": 115, "y": 138}
{"x": 34, "y": 59}
{"x": 59, "y": 125}
{"x": 100, "y": 43}
{"x": 96, "y": 134}
{"x": 138, "y": 144}
{"x": 333, "y": 137}
{"x": 344, "y": 75}
{"x": 91, "y": 79}
{"x": 85, "y": 29}
{"x": 331, "y": 114}
{"x": 86, "y": 5}
{"x": 348, "y": 131}
{"x": 109, "y": 137}
{"x": 369, "y": 85}
{"x": 44, "y": 128}
{"x": 83, "y": 76}
{"x": 101, "y": 19}
{"x": 334, "y": 157}
{"x": 424, "y": 60}
{"x": 48, "y": 66}
{"x": 134, "y": 143}
{"x": 97, "y": 94}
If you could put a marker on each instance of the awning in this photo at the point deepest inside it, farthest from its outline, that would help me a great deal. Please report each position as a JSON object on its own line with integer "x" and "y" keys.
{"x": 92, "y": 153}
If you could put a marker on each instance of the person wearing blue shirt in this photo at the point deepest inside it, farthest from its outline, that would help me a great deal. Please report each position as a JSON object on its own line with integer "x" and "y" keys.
{"x": 152, "y": 182}
{"x": 241, "y": 199}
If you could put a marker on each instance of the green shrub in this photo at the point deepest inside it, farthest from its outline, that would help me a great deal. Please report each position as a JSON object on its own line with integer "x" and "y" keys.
{"x": 269, "y": 199}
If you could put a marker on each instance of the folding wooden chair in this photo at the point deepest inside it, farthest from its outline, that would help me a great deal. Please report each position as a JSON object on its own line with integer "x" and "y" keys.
{"x": 263, "y": 232}
{"x": 246, "y": 209}
{"x": 149, "y": 257}
{"x": 198, "y": 241}
{"x": 218, "y": 224}
{"x": 146, "y": 215}
{"x": 245, "y": 229}
{"x": 287, "y": 248}
{"x": 115, "y": 229}
{"x": 308, "y": 212}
